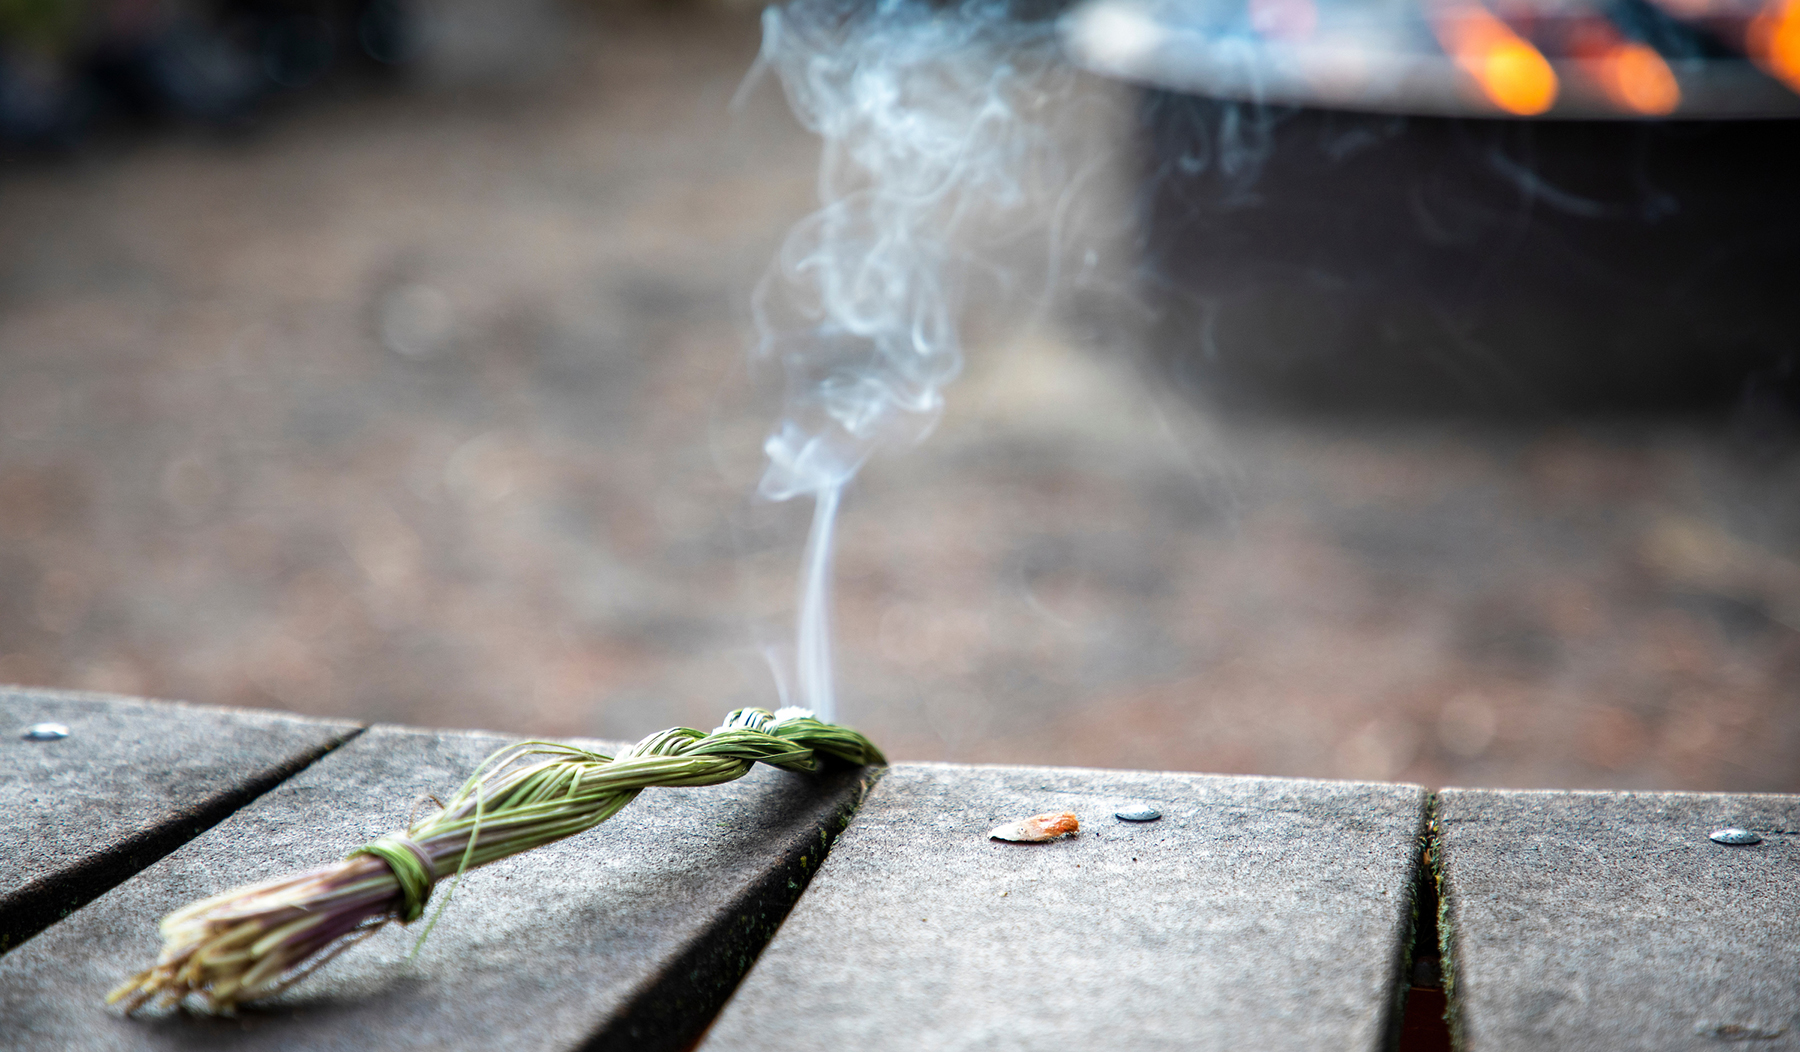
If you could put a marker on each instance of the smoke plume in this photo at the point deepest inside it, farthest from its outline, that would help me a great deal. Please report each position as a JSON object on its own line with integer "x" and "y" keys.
{"x": 938, "y": 157}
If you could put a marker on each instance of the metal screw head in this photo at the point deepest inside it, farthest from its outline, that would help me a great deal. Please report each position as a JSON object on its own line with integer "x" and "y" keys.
{"x": 1138, "y": 813}
{"x": 1734, "y": 835}
{"x": 45, "y": 732}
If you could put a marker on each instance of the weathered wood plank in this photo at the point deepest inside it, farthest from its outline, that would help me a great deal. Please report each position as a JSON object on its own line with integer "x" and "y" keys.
{"x": 1258, "y": 913}
{"x": 133, "y": 780}
{"x": 1609, "y": 921}
{"x": 629, "y": 936}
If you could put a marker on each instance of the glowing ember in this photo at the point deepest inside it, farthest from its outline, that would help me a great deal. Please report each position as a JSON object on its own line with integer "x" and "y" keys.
{"x": 1513, "y": 75}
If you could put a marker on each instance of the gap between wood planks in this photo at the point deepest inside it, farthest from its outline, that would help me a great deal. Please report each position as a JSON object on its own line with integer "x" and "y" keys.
{"x": 1424, "y": 1023}
{"x": 38, "y": 906}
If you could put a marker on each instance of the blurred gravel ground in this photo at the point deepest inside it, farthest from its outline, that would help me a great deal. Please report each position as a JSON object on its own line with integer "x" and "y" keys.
{"x": 427, "y": 407}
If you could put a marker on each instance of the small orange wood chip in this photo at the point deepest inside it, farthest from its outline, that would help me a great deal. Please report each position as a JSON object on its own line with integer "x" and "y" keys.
{"x": 1038, "y": 828}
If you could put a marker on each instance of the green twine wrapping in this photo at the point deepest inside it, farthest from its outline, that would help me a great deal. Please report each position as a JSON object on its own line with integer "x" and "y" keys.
{"x": 412, "y": 869}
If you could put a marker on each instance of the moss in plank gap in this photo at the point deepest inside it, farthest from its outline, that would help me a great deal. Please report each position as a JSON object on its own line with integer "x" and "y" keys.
{"x": 1447, "y": 950}
{"x": 1418, "y": 907}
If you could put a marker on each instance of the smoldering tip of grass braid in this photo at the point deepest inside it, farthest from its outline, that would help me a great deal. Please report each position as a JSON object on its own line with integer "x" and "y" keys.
{"x": 256, "y": 941}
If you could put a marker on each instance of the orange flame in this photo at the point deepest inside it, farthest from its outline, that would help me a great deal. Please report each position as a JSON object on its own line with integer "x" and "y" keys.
{"x": 1637, "y": 78}
{"x": 1511, "y": 73}
{"x": 1632, "y": 75}
{"x": 1774, "y": 41}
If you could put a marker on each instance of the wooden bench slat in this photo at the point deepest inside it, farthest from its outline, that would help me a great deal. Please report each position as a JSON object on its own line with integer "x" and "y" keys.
{"x": 1599, "y": 920}
{"x": 133, "y": 780}
{"x": 628, "y": 936}
{"x": 1257, "y": 913}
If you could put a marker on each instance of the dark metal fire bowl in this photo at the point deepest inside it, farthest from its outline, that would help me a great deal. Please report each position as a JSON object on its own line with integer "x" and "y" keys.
{"x": 1320, "y": 259}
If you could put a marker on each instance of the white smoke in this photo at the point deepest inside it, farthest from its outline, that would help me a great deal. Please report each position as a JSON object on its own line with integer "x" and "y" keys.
{"x": 938, "y": 152}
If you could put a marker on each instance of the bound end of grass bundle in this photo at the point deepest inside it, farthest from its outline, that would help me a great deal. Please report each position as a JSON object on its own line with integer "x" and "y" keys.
{"x": 256, "y": 941}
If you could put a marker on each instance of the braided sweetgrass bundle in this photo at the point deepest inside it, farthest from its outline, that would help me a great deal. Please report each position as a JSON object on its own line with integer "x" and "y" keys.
{"x": 256, "y": 941}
